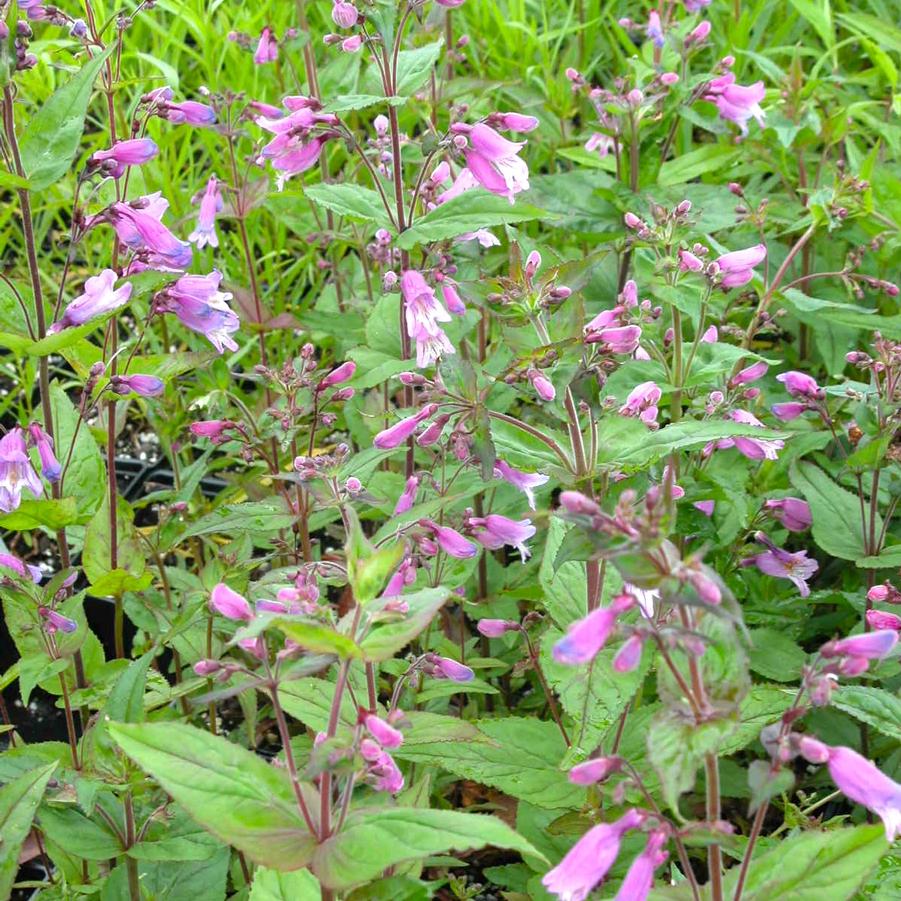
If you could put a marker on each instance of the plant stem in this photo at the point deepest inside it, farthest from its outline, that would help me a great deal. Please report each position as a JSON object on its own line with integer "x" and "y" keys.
{"x": 131, "y": 865}
{"x": 549, "y": 695}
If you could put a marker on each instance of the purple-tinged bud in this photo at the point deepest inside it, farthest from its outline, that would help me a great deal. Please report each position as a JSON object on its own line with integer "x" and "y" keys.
{"x": 787, "y": 412}
{"x": 230, "y": 604}
{"x": 587, "y": 636}
{"x": 736, "y": 189}
{"x": 495, "y": 628}
{"x": 632, "y": 221}
{"x": 559, "y": 292}
{"x": 450, "y": 540}
{"x": 878, "y": 619}
{"x": 688, "y": 262}
{"x": 813, "y": 750}
{"x": 878, "y": 593}
{"x": 341, "y": 374}
{"x": 211, "y": 428}
{"x": 749, "y": 374}
{"x": 207, "y": 667}
{"x": 352, "y": 45}
{"x": 578, "y": 504}
{"x": 516, "y": 122}
{"x": 445, "y": 668}
{"x": 792, "y": 512}
{"x": 629, "y": 655}
{"x": 432, "y": 433}
{"x": 533, "y": 264}
{"x": 144, "y": 385}
{"x": 597, "y": 769}
{"x": 799, "y": 384}
{"x": 353, "y": 485}
{"x": 50, "y": 466}
{"x": 56, "y": 622}
{"x": 669, "y": 79}
{"x": 706, "y": 507}
{"x": 412, "y": 378}
{"x": 635, "y": 97}
{"x": 869, "y": 645}
{"x": 406, "y": 501}
{"x": 387, "y": 736}
{"x": 698, "y": 33}
{"x": 344, "y": 14}
{"x": 543, "y": 386}
{"x": 397, "y": 434}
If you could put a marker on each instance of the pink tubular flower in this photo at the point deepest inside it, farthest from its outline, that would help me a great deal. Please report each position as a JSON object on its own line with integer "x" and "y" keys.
{"x": 210, "y": 204}
{"x": 543, "y": 386}
{"x": 495, "y": 628}
{"x": 752, "y": 448}
{"x": 352, "y": 44}
{"x": 230, "y": 604}
{"x": 629, "y": 655}
{"x": 878, "y": 619}
{"x": 139, "y": 228}
{"x": 188, "y": 112}
{"x": 200, "y": 306}
{"x": 495, "y": 531}
{"x": 267, "y": 48}
{"x": 450, "y": 4}
{"x": 595, "y": 770}
{"x": 381, "y": 768}
{"x": 494, "y": 161}
{"x": 56, "y": 622}
{"x": 688, "y": 262}
{"x": 16, "y": 471}
{"x": 397, "y": 434}
{"x": 344, "y": 14}
{"x": 642, "y": 402}
{"x": 788, "y": 411}
{"x": 792, "y": 512}
{"x": 451, "y": 296}
{"x": 213, "y": 429}
{"x": 781, "y": 564}
{"x": 706, "y": 507}
{"x": 406, "y": 501}
{"x": 749, "y": 374}
{"x": 618, "y": 340}
{"x": 601, "y": 143}
{"x": 515, "y": 122}
{"x": 869, "y": 645}
{"x": 737, "y": 267}
{"x": 524, "y": 481}
{"x": 445, "y": 668}
{"x": 799, "y": 384}
{"x": 423, "y": 311}
{"x": 737, "y": 103}
{"x": 8, "y": 561}
{"x": 450, "y": 540}
{"x": 144, "y": 385}
{"x": 699, "y": 33}
{"x": 50, "y": 466}
{"x": 338, "y": 375}
{"x": 586, "y": 636}
{"x": 590, "y": 859}
{"x": 99, "y": 297}
{"x": 387, "y": 736}
{"x": 124, "y": 154}
{"x": 640, "y": 878}
{"x": 655, "y": 29}
{"x": 860, "y": 781}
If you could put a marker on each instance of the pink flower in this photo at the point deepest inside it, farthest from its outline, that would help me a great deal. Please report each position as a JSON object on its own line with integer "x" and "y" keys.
{"x": 210, "y": 204}
{"x": 877, "y": 619}
{"x": 737, "y": 267}
{"x": 352, "y": 44}
{"x": 749, "y": 374}
{"x": 699, "y": 33}
{"x": 211, "y": 428}
{"x": 381, "y": 768}
{"x": 405, "y": 574}
{"x": 494, "y": 161}
{"x": 595, "y": 770}
{"x": 408, "y": 498}
{"x": 737, "y": 103}
{"x": 859, "y": 780}
{"x": 578, "y": 504}
{"x": 495, "y": 628}
{"x": 267, "y": 48}
{"x": 788, "y": 411}
{"x": 688, "y": 262}
{"x": 338, "y": 375}
{"x": 706, "y": 507}
{"x": 586, "y": 636}
{"x": 139, "y": 228}
{"x": 397, "y": 434}
{"x": 590, "y": 859}
{"x": 144, "y": 385}
{"x": 629, "y": 655}
{"x": 445, "y": 668}
{"x": 752, "y": 448}
{"x": 869, "y": 645}
{"x": 524, "y": 481}
{"x": 640, "y": 878}
{"x": 450, "y": 4}
{"x": 495, "y": 531}
{"x": 16, "y": 471}
{"x": 515, "y": 121}
{"x": 451, "y": 296}
{"x": 792, "y": 512}
{"x": 8, "y": 561}
{"x": 56, "y": 622}
{"x": 602, "y": 143}
{"x": 50, "y": 466}
{"x": 124, "y": 154}
{"x": 99, "y": 297}
{"x": 422, "y": 312}
{"x": 450, "y": 540}
{"x": 543, "y": 386}
{"x": 200, "y": 306}
{"x": 619, "y": 340}
{"x": 230, "y": 604}
{"x": 642, "y": 402}
{"x": 188, "y": 112}
{"x": 799, "y": 384}
{"x": 655, "y": 29}
{"x": 432, "y": 432}
{"x": 387, "y": 736}
{"x": 796, "y": 567}
{"x": 344, "y": 14}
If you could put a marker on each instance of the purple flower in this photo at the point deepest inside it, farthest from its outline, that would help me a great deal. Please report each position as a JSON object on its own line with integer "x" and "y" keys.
{"x": 344, "y": 14}
{"x": 859, "y": 780}
{"x": 788, "y": 411}
{"x": 450, "y": 540}
{"x": 621, "y": 339}
{"x": 640, "y": 878}
{"x": 397, "y": 434}
{"x": 422, "y": 312}
{"x": 737, "y": 103}
{"x": 8, "y": 561}
{"x": 688, "y": 262}
{"x": 386, "y": 735}
{"x": 655, "y": 29}
{"x": 515, "y": 121}
{"x": 406, "y": 501}
{"x": 56, "y": 622}
{"x": 267, "y": 48}
{"x": 451, "y": 297}
{"x": 869, "y": 645}
{"x": 50, "y": 466}
{"x": 210, "y": 204}
{"x": 495, "y": 531}
{"x": 524, "y": 481}
{"x": 493, "y": 160}
{"x": 144, "y": 385}
{"x": 586, "y": 636}
{"x": 213, "y": 429}
{"x": 543, "y": 386}
{"x": 99, "y": 297}
{"x": 629, "y": 655}
{"x": 792, "y": 512}
{"x": 796, "y": 567}
{"x": 445, "y": 668}
{"x": 139, "y": 228}
{"x": 338, "y": 375}
{"x": 878, "y": 619}
{"x": 642, "y": 402}
{"x": 200, "y": 306}
{"x": 124, "y": 154}
{"x": 495, "y": 628}
{"x": 590, "y": 859}
{"x": 752, "y": 448}
{"x": 381, "y": 768}
{"x": 16, "y": 471}
{"x": 188, "y": 112}
{"x": 737, "y": 267}
{"x": 595, "y": 770}
{"x": 799, "y": 384}
{"x": 230, "y": 604}
{"x": 706, "y": 507}
{"x": 749, "y": 374}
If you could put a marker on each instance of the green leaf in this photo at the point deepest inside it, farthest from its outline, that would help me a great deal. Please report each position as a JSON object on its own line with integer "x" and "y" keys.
{"x": 522, "y": 760}
{"x": 19, "y": 800}
{"x": 229, "y": 791}
{"x": 819, "y": 14}
{"x": 414, "y": 66}
{"x": 837, "y": 526}
{"x": 876, "y": 706}
{"x": 813, "y": 866}
{"x": 344, "y": 103}
{"x": 353, "y": 201}
{"x": 42, "y": 513}
{"x": 467, "y": 212}
{"x": 318, "y": 638}
{"x": 268, "y": 517}
{"x": 765, "y": 784}
{"x": 374, "y": 839}
{"x": 688, "y": 166}
{"x": 270, "y": 885}
{"x": 386, "y": 639}
{"x": 566, "y": 586}
{"x": 819, "y": 313}
{"x": 51, "y": 139}
{"x": 888, "y": 558}
{"x": 774, "y": 655}
{"x": 129, "y": 574}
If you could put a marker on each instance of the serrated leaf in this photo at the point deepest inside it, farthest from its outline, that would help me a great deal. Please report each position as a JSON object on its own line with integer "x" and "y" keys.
{"x": 318, "y": 638}
{"x": 353, "y": 201}
{"x": 270, "y": 885}
{"x": 875, "y": 706}
{"x": 386, "y": 639}
{"x": 413, "y": 66}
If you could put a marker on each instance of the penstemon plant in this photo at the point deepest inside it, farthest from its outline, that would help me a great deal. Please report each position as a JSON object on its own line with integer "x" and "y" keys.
{"x": 449, "y": 449}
